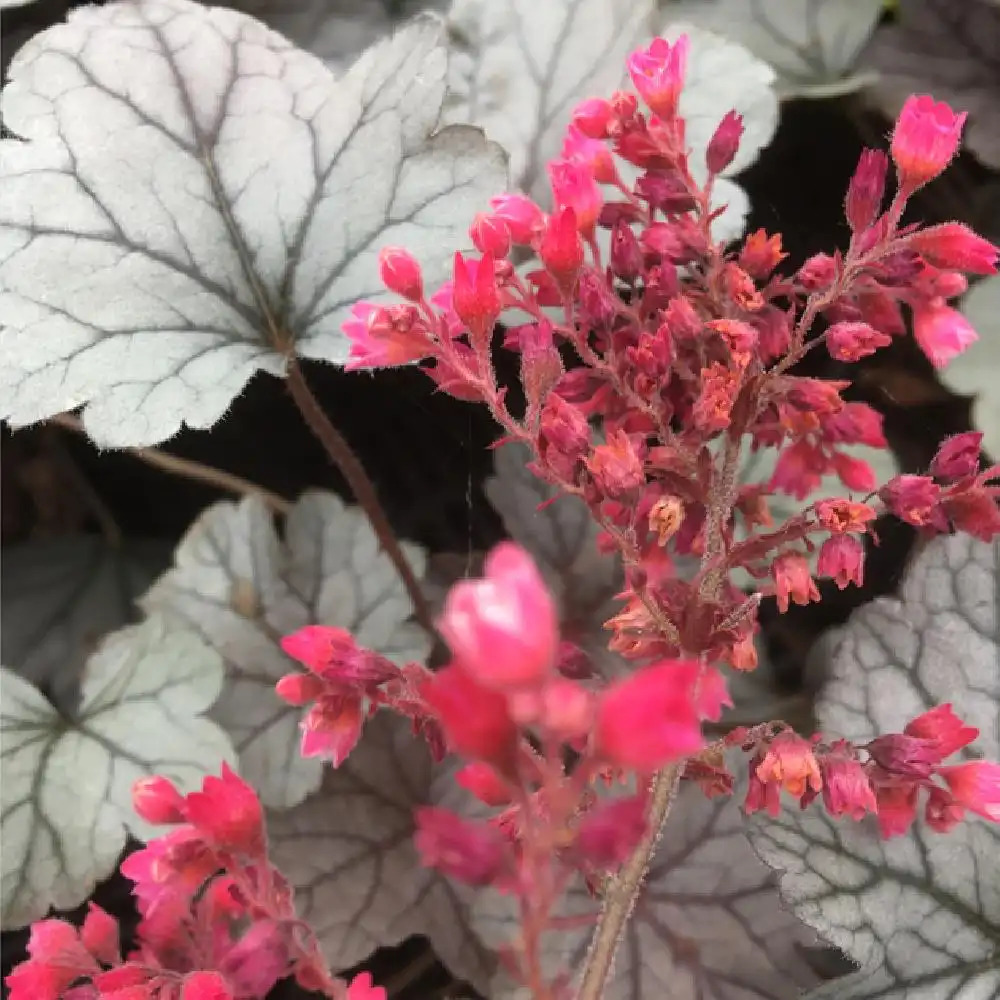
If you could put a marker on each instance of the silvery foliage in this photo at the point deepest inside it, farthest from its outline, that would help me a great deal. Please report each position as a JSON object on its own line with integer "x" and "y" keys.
{"x": 242, "y": 586}
{"x": 65, "y": 786}
{"x": 191, "y": 198}
{"x": 920, "y": 914}
{"x": 950, "y": 50}
{"x": 813, "y": 45}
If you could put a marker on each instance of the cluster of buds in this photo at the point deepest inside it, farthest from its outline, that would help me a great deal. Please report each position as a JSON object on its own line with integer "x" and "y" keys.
{"x": 217, "y": 920}
{"x": 885, "y": 776}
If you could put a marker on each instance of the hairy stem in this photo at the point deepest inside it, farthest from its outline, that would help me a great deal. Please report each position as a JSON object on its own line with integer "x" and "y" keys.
{"x": 188, "y": 469}
{"x": 350, "y": 467}
{"x": 623, "y": 890}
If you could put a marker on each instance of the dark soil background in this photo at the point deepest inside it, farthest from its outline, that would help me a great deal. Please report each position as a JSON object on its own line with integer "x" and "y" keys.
{"x": 427, "y": 453}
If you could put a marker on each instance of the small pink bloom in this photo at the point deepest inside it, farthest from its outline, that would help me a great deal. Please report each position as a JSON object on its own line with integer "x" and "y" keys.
{"x": 905, "y": 756}
{"x": 855, "y": 423}
{"x": 385, "y": 338}
{"x": 484, "y": 782}
{"x": 561, "y": 249}
{"x": 975, "y": 512}
{"x": 798, "y": 469}
{"x": 658, "y": 74}
{"x": 846, "y": 788}
{"x": 593, "y": 152}
{"x": 793, "y": 580}
{"x": 574, "y": 186}
{"x": 866, "y": 190}
{"x": 818, "y": 272}
{"x": 841, "y": 517}
{"x": 942, "y": 811}
{"x": 593, "y": 116}
{"x": 471, "y": 852}
{"x": 564, "y": 437}
{"x": 626, "y": 254}
{"x": 99, "y": 935}
{"x": 941, "y": 332}
{"x": 205, "y": 986}
{"x": 976, "y": 786}
{"x": 156, "y": 800}
{"x": 761, "y": 254}
{"x": 790, "y": 763}
{"x": 400, "y": 273}
{"x": 331, "y": 728}
{"x": 725, "y": 142}
{"x": 523, "y": 218}
{"x": 853, "y": 341}
{"x": 362, "y": 988}
{"x": 299, "y": 689}
{"x": 227, "y": 813}
{"x": 915, "y": 500}
{"x": 761, "y": 794}
{"x": 957, "y": 456}
{"x": 490, "y": 235}
{"x": 711, "y": 694}
{"x": 854, "y": 473}
{"x": 476, "y": 720}
{"x": 617, "y": 466}
{"x": 610, "y": 831}
{"x": 926, "y": 137}
{"x": 953, "y": 245}
{"x": 649, "y": 718}
{"x": 503, "y": 629}
{"x": 842, "y": 559}
{"x": 897, "y": 808}
{"x": 719, "y": 386}
{"x": 476, "y": 297}
{"x": 943, "y": 728}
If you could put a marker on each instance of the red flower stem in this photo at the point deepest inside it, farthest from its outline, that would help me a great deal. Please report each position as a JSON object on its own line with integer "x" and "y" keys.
{"x": 350, "y": 467}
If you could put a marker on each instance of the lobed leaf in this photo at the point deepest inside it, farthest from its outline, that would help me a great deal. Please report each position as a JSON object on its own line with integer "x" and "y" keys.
{"x": 191, "y": 197}
{"x": 65, "y": 794}
{"x": 242, "y": 588}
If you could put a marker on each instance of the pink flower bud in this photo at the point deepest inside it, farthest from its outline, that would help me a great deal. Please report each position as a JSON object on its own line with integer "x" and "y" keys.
{"x": 522, "y": 217}
{"x": 385, "y": 338}
{"x": 943, "y": 812}
{"x": 490, "y": 235}
{"x": 817, "y": 272}
{"x": 975, "y": 512}
{"x": 99, "y": 935}
{"x": 483, "y": 781}
{"x": 941, "y": 332}
{"x": 976, "y": 786}
{"x": 400, "y": 273}
{"x": 649, "y": 718}
{"x": 846, "y": 788}
{"x": 471, "y": 852}
{"x": 854, "y": 473}
{"x": 476, "y": 297}
{"x": 761, "y": 254}
{"x": 855, "y": 423}
{"x": 593, "y": 153}
{"x": 793, "y": 580}
{"x": 561, "y": 249}
{"x": 567, "y": 710}
{"x": 156, "y": 800}
{"x": 610, "y": 832}
{"x": 725, "y": 143}
{"x": 299, "y": 689}
{"x": 617, "y": 466}
{"x": 574, "y": 186}
{"x": 904, "y": 756}
{"x": 503, "y": 629}
{"x": 842, "y": 559}
{"x": 942, "y": 727}
{"x": 866, "y": 190}
{"x": 626, "y": 255}
{"x": 957, "y": 456}
{"x": 593, "y": 117}
{"x": 596, "y": 301}
{"x": 541, "y": 366}
{"x": 658, "y": 74}
{"x": 955, "y": 246}
{"x": 258, "y": 960}
{"x": 853, "y": 341}
{"x": 915, "y": 500}
{"x": 564, "y": 437}
{"x": 926, "y": 137}
{"x": 228, "y": 814}
{"x": 205, "y": 986}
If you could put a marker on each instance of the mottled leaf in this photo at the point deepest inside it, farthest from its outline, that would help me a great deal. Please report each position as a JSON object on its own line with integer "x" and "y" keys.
{"x": 919, "y": 913}
{"x": 707, "y": 926}
{"x": 976, "y": 371}
{"x": 65, "y": 793}
{"x": 812, "y": 44}
{"x": 196, "y": 196}
{"x": 59, "y": 596}
{"x": 950, "y": 50}
{"x": 243, "y": 588}
{"x": 349, "y": 852}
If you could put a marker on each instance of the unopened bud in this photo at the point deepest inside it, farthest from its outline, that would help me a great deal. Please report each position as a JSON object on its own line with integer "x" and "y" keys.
{"x": 489, "y": 234}
{"x": 400, "y": 273}
{"x": 866, "y": 190}
{"x": 725, "y": 143}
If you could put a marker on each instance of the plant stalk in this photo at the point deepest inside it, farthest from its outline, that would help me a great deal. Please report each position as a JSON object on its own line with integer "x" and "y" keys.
{"x": 350, "y": 467}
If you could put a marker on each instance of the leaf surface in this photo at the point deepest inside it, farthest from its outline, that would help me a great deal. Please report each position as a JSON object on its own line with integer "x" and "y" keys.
{"x": 195, "y": 197}
{"x": 242, "y": 587}
{"x": 65, "y": 795}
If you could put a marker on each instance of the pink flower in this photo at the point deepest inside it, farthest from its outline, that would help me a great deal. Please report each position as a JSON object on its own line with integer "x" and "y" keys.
{"x": 942, "y": 727}
{"x": 99, "y": 935}
{"x": 915, "y": 500}
{"x": 610, "y": 831}
{"x": 846, "y": 788}
{"x": 953, "y": 245}
{"x": 258, "y": 960}
{"x": 793, "y": 580}
{"x": 484, "y": 782}
{"x": 853, "y": 341}
{"x": 574, "y": 186}
{"x": 926, "y": 137}
{"x": 385, "y": 338}
{"x": 902, "y": 755}
{"x": 561, "y": 250}
{"x": 227, "y": 813}
{"x": 156, "y": 800}
{"x": 941, "y": 332}
{"x": 658, "y": 74}
{"x": 841, "y": 517}
{"x": 866, "y": 190}
{"x": 943, "y": 812}
{"x": 490, "y": 235}
{"x": 503, "y": 629}
{"x": 975, "y": 512}
{"x": 761, "y": 794}
{"x": 57, "y": 959}
{"x": 476, "y": 297}
{"x": 976, "y": 786}
{"x": 400, "y": 273}
{"x": 593, "y": 116}
{"x": 842, "y": 559}
{"x": 957, "y": 456}
{"x": 362, "y": 988}
{"x": 854, "y": 473}
{"x": 332, "y": 727}
{"x": 594, "y": 153}
{"x": 798, "y": 469}
{"x": 471, "y": 852}
{"x": 617, "y": 466}
{"x": 649, "y": 718}
{"x": 761, "y": 254}
{"x": 897, "y": 808}
{"x": 522, "y": 217}
{"x": 332, "y": 654}
{"x": 790, "y": 763}
{"x": 719, "y": 386}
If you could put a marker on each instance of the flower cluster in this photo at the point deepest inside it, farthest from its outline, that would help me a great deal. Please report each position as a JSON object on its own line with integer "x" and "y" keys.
{"x": 217, "y": 920}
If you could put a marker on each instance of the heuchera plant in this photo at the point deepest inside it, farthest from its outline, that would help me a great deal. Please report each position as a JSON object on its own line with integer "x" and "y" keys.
{"x": 688, "y": 351}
